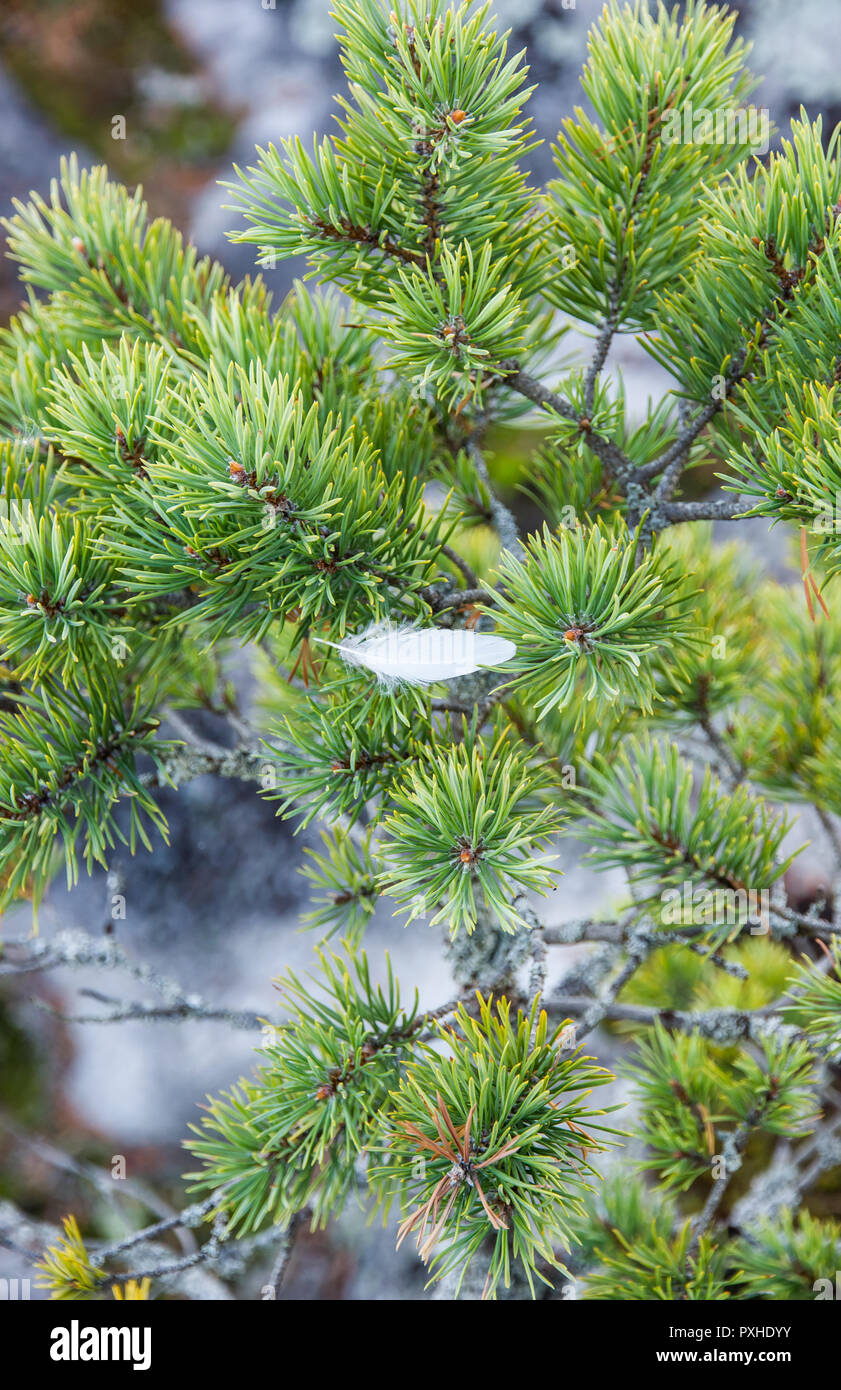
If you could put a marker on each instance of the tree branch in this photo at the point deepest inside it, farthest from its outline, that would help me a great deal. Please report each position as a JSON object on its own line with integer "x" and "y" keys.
{"x": 77, "y": 949}
{"x": 725, "y": 510}
{"x": 502, "y": 519}
{"x": 724, "y": 1026}
{"x": 613, "y": 458}
{"x": 602, "y": 348}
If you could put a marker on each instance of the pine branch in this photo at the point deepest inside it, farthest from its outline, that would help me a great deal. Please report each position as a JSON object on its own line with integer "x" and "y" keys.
{"x": 735, "y": 769}
{"x": 284, "y": 1254}
{"x": 735, "y": 1145}
{"x": 121, "y": 1012}
{"x": 345, "y": 230}
{"x": 190, "y": 1218}
{"x": 602, "y": 348}
{"x": 723, "y": 1026}
{"x": 77, "y": 949}
{"x": 501, "y": 518}
{"x": 129, "y": 1188}
{"x": 584, "y": 929}
{"x": 617, "y": 463}
{"x": 671, "y": 463}
{"x": 724, "y": 510}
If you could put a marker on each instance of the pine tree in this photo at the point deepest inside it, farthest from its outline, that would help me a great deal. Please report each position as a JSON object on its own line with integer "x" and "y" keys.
{"x": 188, "y": 471}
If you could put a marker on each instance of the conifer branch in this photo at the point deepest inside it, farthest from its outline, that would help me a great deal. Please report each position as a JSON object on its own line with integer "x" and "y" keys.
{"x": 357, "y": 235}
{"x": 77, "y": 949}
{"x": 725, "y": 510}
{"x": 602, "y": 348}
{"x": 723, "y": 1026}
{"x": 136, "y": 1011}
{"x": 613, "y": 458}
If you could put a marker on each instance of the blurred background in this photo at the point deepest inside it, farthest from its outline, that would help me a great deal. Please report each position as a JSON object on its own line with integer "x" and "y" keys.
{"x": 199, "y": 83}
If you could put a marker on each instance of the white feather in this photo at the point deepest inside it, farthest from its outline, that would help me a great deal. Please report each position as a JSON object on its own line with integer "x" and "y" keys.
{"x": 410, "y": 655}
